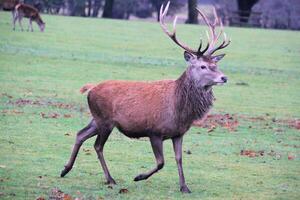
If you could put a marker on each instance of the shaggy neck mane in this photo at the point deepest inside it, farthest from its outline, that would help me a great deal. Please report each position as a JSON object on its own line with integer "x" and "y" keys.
{"x": 192, "y": 102}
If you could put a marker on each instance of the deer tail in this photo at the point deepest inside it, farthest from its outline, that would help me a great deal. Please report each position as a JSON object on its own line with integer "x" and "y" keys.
{"x": 87, "y": 87}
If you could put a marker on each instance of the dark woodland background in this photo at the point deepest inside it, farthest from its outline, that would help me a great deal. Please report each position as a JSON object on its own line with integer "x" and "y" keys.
{"x": 282, "y": 14}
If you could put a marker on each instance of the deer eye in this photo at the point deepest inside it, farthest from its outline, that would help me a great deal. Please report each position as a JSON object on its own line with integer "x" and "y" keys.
{"x": 203, "y": 67}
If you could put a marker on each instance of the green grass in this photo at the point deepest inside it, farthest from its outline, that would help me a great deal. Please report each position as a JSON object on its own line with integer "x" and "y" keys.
{"x": 53, "y": 65}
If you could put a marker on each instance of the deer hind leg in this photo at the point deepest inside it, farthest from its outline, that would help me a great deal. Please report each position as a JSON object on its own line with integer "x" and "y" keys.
{"x": 157, "y": 147}
{"x": 87, "y": 132}
{"x": 104, "y": 132}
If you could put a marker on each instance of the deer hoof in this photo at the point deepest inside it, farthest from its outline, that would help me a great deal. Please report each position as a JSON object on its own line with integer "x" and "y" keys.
{"x": 65, "y": 171}
{"x": 185, "y": 189}
{"x": 110, "y": 182}
{"x": 140, "y": 177}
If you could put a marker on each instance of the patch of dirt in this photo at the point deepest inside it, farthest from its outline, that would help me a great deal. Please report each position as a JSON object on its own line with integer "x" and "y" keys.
{"x": 12, "y": 112}
{"x": 227, "y": 121}
{"x": 24, "y": 102}
{"x": 231, "y": 122}
{"x": 54, "y": 115}
{"x": 57, "y": 194}
{"x": 251, "y": 153}
{"x": 6, "y": 95}
{"x": 260, "y": 153}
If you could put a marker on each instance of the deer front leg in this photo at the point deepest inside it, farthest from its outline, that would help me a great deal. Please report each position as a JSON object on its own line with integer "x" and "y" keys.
{"x": 157, "y": 147}
{"x": 177, "y": 145}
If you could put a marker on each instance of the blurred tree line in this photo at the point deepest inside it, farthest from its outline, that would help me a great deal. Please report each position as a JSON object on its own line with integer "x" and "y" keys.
{"x": 261, "y": 13}
{"x": 119, "y": 9}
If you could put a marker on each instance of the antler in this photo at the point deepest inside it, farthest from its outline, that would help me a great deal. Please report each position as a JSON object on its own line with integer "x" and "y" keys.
{"x": 212, "y": 40}
{"x": 172, "y": 35}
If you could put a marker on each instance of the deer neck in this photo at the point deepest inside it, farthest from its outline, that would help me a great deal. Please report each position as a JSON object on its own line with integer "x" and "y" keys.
{"x": 191, "y": 102}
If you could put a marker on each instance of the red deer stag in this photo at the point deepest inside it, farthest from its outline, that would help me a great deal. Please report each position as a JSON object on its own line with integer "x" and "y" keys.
{"x": 24, "y": 10}
{"x": 159, "y": 110}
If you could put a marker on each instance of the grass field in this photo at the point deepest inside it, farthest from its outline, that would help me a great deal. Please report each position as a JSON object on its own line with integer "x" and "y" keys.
{"x": 41, "y": 111}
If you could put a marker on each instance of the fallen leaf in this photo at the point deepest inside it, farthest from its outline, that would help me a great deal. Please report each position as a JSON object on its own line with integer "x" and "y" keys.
{"x": 291, "y": 157}
{"x": 242, "y": 83}
{"x": 67, "y": 197}
{"x": 212, "y": 128}
{"x": 123, "y": 191}
{"x": 67, "y": 115}
{"x": 40, "y": 198}
{"x": 188, "y": 152}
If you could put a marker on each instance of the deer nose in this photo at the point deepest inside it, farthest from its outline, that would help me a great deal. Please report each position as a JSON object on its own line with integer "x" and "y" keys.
{"x": 224, "y": 79}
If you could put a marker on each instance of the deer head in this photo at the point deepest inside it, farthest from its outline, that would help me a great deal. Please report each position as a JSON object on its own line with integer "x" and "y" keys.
{"x": 202, "y": 64}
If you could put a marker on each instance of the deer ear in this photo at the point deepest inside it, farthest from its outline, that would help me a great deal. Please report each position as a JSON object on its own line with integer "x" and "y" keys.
{"x": 217, "y": 58}
{"x": 188, "y": 56}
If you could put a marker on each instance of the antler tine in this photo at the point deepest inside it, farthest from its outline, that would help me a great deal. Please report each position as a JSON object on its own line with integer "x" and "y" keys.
{"x": 172, "y": 35}
{"x": 213, "y": 38}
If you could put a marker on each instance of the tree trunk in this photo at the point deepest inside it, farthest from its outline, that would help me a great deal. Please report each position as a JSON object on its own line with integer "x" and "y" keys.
{"x": 158, "y": 12}
{"x": 97, "y": 5}
{"x": 192, "y": 12}
{"x": 69, "y": 5}
{"x": 89, "y": 8}
{"x": 245, "y": 9}
{"x": 108, "y": 9}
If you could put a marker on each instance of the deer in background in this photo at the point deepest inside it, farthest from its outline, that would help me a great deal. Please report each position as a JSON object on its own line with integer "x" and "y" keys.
{"x": 158, "y": 110}
{"x": 24, "y": 10}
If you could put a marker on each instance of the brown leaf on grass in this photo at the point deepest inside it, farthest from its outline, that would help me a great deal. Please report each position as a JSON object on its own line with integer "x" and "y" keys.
{"x": 211, "y": 129}
{"x": 213, "y": 121}
{"x": 67, "y": 197}
{"x": 123, "y": 191}
{"x": 12, "y": 112}
{"x": 56, "y": 194}
{"x": 49, "y": 115}
{"x": 291, "y": 157}
{"x": 87, "y": 151}
{"x": 67, "y": 115}
{"x": 297, "y": 124}
{"x": 40, "y": 198}
{"x": 67, "y": 134}
{"x": 188, "y": 152}
{"x": 251, "y": 153}
{"x": 242, "y": 83}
